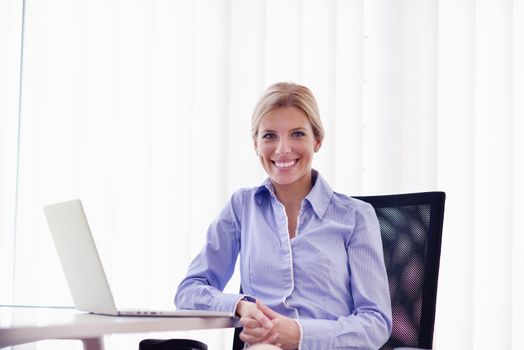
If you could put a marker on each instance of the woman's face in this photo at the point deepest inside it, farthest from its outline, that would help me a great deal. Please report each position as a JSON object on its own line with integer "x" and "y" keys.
{"x": 285, "y": 144}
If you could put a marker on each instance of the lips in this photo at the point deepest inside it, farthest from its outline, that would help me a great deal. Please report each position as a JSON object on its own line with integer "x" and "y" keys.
{"x": 285, "y": 164}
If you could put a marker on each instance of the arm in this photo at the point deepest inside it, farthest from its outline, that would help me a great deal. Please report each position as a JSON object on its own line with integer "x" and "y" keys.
{"x": 212, "y": 268}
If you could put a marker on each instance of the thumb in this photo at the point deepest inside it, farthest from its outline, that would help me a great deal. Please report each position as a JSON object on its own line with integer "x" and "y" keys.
{"x": 266, "y": 310}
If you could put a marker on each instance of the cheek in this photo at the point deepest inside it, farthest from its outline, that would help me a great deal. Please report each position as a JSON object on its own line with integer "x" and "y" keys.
{"x": 306, "y": 149}
{"x": 264, "y": 151}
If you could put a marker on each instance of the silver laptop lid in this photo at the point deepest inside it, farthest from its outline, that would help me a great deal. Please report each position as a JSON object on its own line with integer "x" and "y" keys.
{"x": 79, "y": 257}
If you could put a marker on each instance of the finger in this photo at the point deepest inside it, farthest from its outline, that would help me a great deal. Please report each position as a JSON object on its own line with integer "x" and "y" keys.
{"x": 249, "y": 322}
{"x": 254, "y": 313}
{"x": 262, "y": 319}
{"x": 246, "y": 338}
{"x": 257, "y": 332}
{"x": 266, "y": 310}
{"x": 272, "y": 339}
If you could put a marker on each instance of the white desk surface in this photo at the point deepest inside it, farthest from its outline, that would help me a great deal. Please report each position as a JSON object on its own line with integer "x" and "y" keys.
{"x": 20, "y": 325}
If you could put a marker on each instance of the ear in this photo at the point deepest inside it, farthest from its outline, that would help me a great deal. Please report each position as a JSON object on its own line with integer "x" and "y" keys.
{"x": 255, "y": 146}
{"x": 318, "y": 144}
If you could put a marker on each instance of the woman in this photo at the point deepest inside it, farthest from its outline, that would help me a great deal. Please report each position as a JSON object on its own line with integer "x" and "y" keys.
{"x": 311, "y": 260}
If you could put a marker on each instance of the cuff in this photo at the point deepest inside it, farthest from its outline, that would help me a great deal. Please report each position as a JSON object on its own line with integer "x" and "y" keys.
{"x": 226, "y": 302}
{"x": 301, "y": 333}
{"x": 316, "y": 334}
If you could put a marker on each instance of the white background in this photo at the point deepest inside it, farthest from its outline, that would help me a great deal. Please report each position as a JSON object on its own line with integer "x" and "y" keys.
{"x": 142, "y": 109}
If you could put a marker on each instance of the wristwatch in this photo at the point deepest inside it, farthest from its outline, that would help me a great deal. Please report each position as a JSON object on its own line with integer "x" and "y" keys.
{"x": 248, "y": 298}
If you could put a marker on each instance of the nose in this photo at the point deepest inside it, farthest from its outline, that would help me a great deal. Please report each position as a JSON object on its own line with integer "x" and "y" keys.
{"x": 283, "y": 147}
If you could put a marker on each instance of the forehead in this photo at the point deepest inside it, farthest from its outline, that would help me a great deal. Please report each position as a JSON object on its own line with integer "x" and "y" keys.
{"x": 285, "y": 118}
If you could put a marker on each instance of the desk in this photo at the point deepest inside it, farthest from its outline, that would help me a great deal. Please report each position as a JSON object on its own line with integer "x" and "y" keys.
{"x": 19, "y": 325}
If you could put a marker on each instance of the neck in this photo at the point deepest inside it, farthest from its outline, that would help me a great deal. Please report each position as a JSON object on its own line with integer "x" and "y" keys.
{"x": 293, "y": 194}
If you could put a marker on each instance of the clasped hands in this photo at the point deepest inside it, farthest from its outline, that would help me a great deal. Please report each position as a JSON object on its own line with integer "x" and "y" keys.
{"x": 263, "y": 325}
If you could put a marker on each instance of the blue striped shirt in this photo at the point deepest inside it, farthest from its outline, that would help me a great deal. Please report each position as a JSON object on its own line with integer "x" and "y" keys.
{"x": 330, "y": 278}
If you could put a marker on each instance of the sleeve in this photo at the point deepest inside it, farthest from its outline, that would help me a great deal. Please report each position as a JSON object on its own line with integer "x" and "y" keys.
{"x": 212, "y": 268}
{"x": 369, "y": 326}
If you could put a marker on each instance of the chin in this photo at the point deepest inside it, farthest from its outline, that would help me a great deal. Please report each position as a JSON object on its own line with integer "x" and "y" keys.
{"x": 285, "y": 179}
{"x": 282, "y": 182}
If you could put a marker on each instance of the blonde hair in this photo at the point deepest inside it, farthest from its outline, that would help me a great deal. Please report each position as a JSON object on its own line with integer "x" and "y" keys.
{"x": 285, "y": 94}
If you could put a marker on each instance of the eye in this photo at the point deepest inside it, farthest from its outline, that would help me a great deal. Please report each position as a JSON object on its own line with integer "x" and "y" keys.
{"x": 298, "y": 134}
{"x": 268, "y": 136}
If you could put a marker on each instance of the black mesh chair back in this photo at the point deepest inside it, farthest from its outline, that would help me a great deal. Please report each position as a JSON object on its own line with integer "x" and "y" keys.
{"x": 411, "y": 228}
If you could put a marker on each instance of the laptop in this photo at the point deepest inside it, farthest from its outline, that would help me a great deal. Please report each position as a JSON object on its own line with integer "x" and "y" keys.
{"x": 83, "y": 268}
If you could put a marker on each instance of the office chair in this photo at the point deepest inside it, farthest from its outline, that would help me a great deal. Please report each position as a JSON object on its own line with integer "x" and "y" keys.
{"x": 171, "y": 344}
{"x": 411, "y": 229}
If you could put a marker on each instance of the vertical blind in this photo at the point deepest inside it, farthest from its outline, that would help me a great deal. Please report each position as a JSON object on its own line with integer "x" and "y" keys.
{"x": 142, "y": 109}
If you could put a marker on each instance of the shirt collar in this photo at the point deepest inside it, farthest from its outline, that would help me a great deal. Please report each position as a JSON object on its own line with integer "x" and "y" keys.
{"x": 319, "y": 196}
{"x": 265, "y": 189}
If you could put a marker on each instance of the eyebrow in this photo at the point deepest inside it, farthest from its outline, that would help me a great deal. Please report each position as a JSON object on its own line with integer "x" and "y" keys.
{"x": 292, "y": 130}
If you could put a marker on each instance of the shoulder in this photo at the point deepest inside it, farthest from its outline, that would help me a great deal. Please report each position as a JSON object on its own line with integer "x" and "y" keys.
{"x": 356, "y": 215}
{"x": 245, "y": 195}
{"x": 344, "y": 202}
{"x": 246, "y": 192}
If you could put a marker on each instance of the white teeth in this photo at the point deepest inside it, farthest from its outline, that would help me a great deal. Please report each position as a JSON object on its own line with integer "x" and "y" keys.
{"x": 285, "y": 165}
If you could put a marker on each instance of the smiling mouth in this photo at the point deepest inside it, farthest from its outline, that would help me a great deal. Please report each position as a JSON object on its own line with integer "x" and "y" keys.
{"x": 285, "y": 164}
